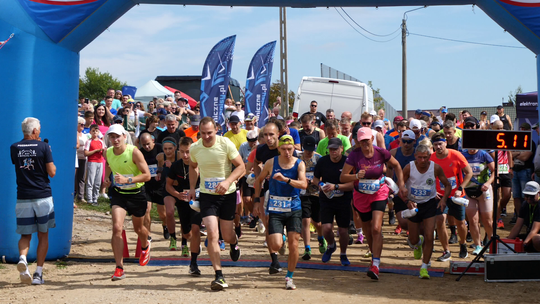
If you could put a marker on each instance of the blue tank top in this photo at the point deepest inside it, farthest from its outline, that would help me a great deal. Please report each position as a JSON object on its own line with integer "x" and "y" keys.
{"x": 402, "y": 159}
{"x": 284, "y": 197}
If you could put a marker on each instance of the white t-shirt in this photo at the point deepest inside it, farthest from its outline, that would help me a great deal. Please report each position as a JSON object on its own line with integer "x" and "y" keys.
{"x": 240, "y": 115}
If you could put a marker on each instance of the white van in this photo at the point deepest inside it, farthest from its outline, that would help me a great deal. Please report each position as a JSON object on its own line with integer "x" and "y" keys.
{"x": 337, "y": 94}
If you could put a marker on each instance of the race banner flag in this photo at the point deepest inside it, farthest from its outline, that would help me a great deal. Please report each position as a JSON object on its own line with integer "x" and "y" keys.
{"x": 259, "y": 76}
{"x": 215, "y": 80}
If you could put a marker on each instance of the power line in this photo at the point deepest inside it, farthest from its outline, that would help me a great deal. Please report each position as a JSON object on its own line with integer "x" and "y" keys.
{"x": 469, "y": 42}
{"x": 383, "y": 41}
{"x": 367, "y": 30}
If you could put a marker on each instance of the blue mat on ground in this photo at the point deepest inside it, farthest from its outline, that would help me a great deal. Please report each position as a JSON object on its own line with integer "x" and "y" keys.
{"x": 438, "y": 273}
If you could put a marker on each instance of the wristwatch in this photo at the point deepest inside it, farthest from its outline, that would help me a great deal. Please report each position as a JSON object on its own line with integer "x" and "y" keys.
{"x": 130, "y": 180}
{"x": 337, "y": 186}
{"x": 289, "y": 181}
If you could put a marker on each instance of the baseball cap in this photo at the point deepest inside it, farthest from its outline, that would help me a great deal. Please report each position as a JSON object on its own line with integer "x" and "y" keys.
{"x": 334, "y": 143}
{"x": 183, "y": 99}
{"x": 234, "y": 119}
{"x": 378, "y": 124}
{"x": 161, "y": 111}
{"x": 250, "y": 117}
{"x": 494, "y": 118}
{"x": 499, "y": 107}
{"x": 444, "y": 109}
{"x": 252, "y": 135}
{"x": 426, "y": 113}
{"x": 284, "y": 140}
{"x": 118, "y": 119}
{"x": 398, "y": 118}
{"x": 195, "y": 120}
{"x": 408, "y": 134}
{"x": 161, "y": 117}
{"x": 470, "y": 120}
{"x": 415, "y": 123}
{"x": 435, "y": 123}
{"x": 525, "y": 126}
{"x": 531, "y": 188}
{"x": 372, "y": 113}
{"x": 154, "y": 98}
{"x": 355, "y": 130}
{"x": 418, "y": 111}
{"x": 116, "y": 129}
{"x": 483, "y": 113}
{"x": 364, "y": 133}
{"x": 309, "y": 143}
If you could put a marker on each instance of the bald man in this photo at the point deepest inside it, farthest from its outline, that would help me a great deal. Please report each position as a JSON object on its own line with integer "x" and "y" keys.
{"x": 346, "y": 114}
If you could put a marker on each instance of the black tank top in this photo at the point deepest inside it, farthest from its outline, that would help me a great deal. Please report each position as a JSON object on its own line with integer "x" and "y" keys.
{"x": 506, "y": 123}
{"x": 314, "y": 134}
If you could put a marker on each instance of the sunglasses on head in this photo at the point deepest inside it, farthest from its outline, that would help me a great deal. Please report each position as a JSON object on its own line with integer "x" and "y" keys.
{"x": 407, "y": 141}
{"x": 366, "y": 123}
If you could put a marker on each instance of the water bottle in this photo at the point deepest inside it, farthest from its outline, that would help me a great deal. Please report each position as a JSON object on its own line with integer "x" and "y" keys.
{"x": 195, "y": 205}
{"x": 250, "y": 180}
{"x": 391, "y": 184}
{"x": 409, "y": 213}
{"x": 460, "y": 201}
{"x": 329, "y": 194}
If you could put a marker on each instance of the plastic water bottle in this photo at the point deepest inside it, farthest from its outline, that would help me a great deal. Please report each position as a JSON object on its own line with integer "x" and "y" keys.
{"x": 251, "y": 179}
{"x": 409, "y": 213}
{"x": 460, "y": 201}
{"x": 195, "y": 205}
{"x": 329, "y": 194}
{"x": 391, "y": 184}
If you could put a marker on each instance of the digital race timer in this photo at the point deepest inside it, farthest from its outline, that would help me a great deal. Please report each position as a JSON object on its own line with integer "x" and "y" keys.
{"x": 496, "y": 140}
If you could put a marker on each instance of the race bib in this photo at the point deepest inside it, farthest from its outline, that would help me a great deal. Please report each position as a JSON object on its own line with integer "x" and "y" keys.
{"x": 124, "y": 186}
{"x": 153, "y": 170}
{"x": 452, "y": 181}
{"x": 309, "y": 176}
{"x": 477, "y": 168}
{"x": 279, "y": 203}
{"x": 504, "y": 169}
{"x": 338, "y": 193}
{"x": 210, "y": 184}
{"x": 369, "y": 186}
{"x": 420, "y": 193}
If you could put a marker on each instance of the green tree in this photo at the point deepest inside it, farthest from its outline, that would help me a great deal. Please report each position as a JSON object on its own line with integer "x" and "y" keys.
{"x": 377, "y": 99}
{"x": 275, "y": 91}
{"x": 512, "y": 96}
{"x": 94, "y": 84}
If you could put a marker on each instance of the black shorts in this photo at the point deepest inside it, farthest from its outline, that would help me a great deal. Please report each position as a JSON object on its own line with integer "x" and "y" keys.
{"x": 375, "y": 206}
{"x": 292, "y": 220}
{"x": 453, "y": 209}
{"x": 340, "y": 211}
{"x": 505, "y": 180}
{"x": 133, "y": 201}
{"x": 222, "y": 206}
{"x": 399, "y": 204}
{"x": 425, "y": 211}
{"x": 154, "y": 195}
{"x": 530, "y": 247}
{"x": 246, "y": 189}
{"x": 311, "y": 208}
{"x": 187, "y": 215}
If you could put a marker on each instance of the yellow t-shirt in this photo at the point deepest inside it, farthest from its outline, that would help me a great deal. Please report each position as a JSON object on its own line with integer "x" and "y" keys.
{"x": 237, "y": 139}
{"x": 458, "y": 132}
{"x": 214, "y": 163}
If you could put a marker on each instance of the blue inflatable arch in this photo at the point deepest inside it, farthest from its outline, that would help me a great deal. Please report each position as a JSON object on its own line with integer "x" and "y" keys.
{"x": 40, "y": 71}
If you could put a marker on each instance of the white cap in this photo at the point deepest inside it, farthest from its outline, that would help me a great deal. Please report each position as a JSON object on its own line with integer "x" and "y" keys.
{"x": 415, "y": 123}
{"x": 494, "y": 118}
{"x": 378, "y": 124}
{"x": 372, "y": 113}
{"x": 408, "y": 134}
{"x": 252, "y": 134}
{"x": 531, "y": 188}
{"x": 116, "y": 129}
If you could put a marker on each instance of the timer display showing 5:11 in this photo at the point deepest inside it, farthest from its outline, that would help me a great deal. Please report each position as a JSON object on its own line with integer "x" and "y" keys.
{"x": 497, "y": 140}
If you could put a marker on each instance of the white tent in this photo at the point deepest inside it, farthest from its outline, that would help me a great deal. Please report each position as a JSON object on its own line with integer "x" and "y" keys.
{"x": 150, "y": 89}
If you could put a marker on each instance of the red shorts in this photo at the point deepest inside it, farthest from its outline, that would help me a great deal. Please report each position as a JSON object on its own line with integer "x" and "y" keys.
{"x": 362, "y": 202}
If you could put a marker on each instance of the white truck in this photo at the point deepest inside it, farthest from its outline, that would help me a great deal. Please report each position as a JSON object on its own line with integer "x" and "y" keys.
{"x": 337, "y": 94}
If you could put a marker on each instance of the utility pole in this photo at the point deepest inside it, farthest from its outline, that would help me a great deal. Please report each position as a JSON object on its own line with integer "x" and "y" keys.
{"x": 404, "y": 68}
{"x": 283, "y": 62}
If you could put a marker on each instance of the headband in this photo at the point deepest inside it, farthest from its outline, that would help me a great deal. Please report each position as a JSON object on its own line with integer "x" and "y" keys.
{"x": 440, "y": 139}
{"x": 286, "y": 140}
{"x": 169, "y": 141}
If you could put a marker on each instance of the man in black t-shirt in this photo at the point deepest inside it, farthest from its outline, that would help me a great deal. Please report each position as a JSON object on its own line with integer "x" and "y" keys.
{"x": 172, "y": 129}
{"x": 320, "y": 119}
{"x": 335, "y": 200}
{"x": 153, "y": 189}
{"x": 190, "y": 220}
{"x": 35, "y": 209}
{"x": 529, "y": 216}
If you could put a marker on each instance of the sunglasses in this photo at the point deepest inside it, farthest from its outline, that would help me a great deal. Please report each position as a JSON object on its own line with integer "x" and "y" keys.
{"x": 238, "y": 104}
{"x": 365, "y": 123}
{"x": 407, "y": 141}
{"x": 529, "y": 196}
{"x": 81, "y": 124}
{"x": 313, "y": 106}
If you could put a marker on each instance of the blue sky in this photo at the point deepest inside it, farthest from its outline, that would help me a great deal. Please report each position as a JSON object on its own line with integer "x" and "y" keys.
{"x": 152, "y": 40}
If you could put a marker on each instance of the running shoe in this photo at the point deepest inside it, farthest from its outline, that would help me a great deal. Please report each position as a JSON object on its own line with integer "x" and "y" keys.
{"x": 500, "y": 224}
{"x": 307, "y": 255}
{"x": 311, "y": 228}
{"x": 503, "y": 211}
{"x": 323, "y": 246}
{"x": 104, "y": 195}
{"x": 328, "y": 253}
{"x": 194, "y": 270}
{"x": 453, "y": 239}
{"x": 398, "y": 230}
{"x": 235, "y": 253}
{"x": 221, "y": 245}
{"x": 463, "y": 251}
{"x": 424, "y": 274}
{"x": 25, "y": 276}
{"x": 344, "y": 260}
{"x": 289, "y": 285}
{"x": 37, "y": 279}
{"x": 166, "y": 234}
{"x": 185, "y": 250}
{"x": 118, "y": 274}
{"x": 477, "y": 250}
{"x": 373, "y": 272}
{"x": 469, "y": 237}
{"x": 368, "y": 254}
{"x": 253, "y": 222}
{"x": 172, "y": 244}
{"x": 445, "y": 256}
{"x": 514, "y": 219}
{"x": 261, "y": 229}
{"x": 351, "y": 240}
{"x": 360, "y": 239}
{"x": 418, "y": 249}
{"x": 275, "y": 268}
{"x": 219, "y": 284}
{"x": 391, "y": 218}
{"x": 145, "y": 255}
{"x": 352, "y": 229}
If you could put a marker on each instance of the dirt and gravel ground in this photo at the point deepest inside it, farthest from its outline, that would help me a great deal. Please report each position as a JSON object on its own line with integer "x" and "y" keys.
{"x": 89, "y": 282}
